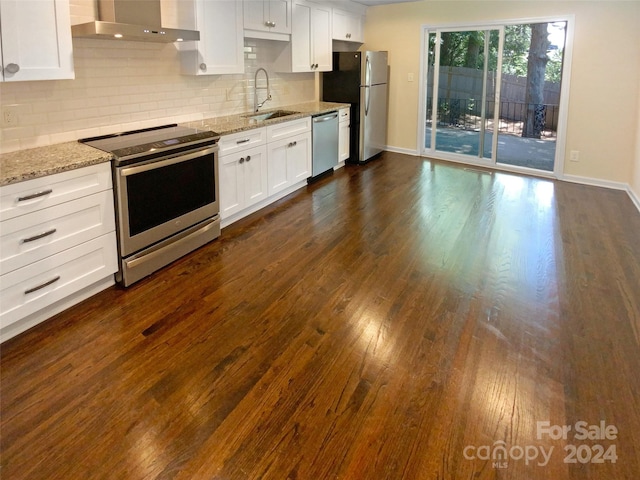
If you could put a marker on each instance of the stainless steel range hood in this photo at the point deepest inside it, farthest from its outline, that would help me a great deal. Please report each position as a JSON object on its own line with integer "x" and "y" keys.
{"x": 138, "y": 20}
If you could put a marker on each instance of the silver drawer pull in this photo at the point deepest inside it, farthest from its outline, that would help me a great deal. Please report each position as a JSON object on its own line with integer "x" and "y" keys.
{"x": 243, "y": 141}
{"x": 35, "y": 195}
{"x": 45, "y": 284}
{"x": 39, "y": 236}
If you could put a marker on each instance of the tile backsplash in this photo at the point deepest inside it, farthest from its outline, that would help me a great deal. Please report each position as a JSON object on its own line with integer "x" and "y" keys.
{"x": 127, "y": 85}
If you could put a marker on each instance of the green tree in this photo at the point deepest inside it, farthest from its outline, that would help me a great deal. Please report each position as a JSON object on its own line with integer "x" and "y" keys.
{"x": 537, "y": 60}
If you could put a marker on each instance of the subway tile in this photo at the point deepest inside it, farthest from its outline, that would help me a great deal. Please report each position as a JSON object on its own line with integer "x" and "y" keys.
{"x": 127, "y": 85}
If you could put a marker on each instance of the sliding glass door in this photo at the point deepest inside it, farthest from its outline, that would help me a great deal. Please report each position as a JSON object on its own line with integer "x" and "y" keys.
{"x": 492, "y": 94}
{"x": 461, "y": 96}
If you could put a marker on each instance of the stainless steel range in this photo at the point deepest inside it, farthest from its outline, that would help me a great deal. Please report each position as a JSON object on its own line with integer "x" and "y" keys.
{"x": 166, "y": 195}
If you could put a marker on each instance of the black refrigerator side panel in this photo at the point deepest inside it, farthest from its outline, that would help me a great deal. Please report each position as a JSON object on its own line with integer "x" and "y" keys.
{"x": 343, "y": 85}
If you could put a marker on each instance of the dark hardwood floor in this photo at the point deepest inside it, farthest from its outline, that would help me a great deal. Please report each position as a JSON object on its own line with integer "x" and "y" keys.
{"x": 400, "y": 320}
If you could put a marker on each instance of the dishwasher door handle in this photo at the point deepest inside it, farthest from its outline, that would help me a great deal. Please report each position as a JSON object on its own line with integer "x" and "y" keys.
{"x": 325, "y": 118}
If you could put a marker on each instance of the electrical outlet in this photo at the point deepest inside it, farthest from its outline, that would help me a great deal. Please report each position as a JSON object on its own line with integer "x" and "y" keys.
{"x": 410, "y": 77}
{"x": 574, "y": 156}
{"x": 9, "y": 117}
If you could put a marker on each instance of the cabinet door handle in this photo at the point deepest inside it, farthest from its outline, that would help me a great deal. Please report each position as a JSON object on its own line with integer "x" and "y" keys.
{"x": 245, "y": 140}
{"x": 292, "y": 144}
{"x": 248, "y": 157}
{"x": 12, "y": 68}
{"x": 241, "y": 160}
{"x": 42, "y": 285}
{"x": 35, "y": 195}
{"x": 39, "y": 236}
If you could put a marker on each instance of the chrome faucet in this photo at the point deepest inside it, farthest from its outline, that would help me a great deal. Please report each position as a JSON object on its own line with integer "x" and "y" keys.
{"x": 257, "y": 105}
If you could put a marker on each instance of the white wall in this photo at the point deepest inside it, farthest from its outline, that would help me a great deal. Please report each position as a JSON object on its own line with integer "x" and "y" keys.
{"x": 635, "y": 180}
{"x": 127, "y": 85}
{"x": 602, "y": 112}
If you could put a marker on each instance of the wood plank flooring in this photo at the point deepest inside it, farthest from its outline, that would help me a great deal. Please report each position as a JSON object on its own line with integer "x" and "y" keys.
{"x": 399, "y": 320}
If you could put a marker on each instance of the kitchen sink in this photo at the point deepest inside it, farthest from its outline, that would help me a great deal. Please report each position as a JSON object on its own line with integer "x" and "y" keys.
{"x": 261, "y": 117}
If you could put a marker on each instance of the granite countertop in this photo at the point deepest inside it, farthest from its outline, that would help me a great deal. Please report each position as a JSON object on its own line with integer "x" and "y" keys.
{"x": 42, "y": 161}
{"x": 240, "y": 123}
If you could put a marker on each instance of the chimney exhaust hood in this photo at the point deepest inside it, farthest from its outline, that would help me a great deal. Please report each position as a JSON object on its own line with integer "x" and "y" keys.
{"x": 137, "y": 20}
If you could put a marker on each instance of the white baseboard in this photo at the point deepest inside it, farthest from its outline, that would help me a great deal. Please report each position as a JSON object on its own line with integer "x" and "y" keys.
{"x": 595, "y": 182}
{"x": 406, "y": 151}
{"x": 606, "y": 184}
{"x": 635, "y": 198}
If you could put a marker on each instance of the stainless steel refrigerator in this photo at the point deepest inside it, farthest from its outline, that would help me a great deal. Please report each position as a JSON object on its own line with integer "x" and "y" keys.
{"x": 360, "y": 78}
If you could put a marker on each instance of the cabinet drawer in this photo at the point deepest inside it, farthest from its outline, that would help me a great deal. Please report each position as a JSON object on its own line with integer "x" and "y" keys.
{"x": 34, "y": 287}
{"x": 239, "y": 141}
{"x": 286, "y": 129}
{"x": 32, "y": 195}
{"x": 34, "y": 236}
{"x": 343, "y": 115}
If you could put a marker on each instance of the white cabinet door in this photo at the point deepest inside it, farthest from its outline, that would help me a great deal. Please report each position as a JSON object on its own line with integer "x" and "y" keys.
{"x": 36, "y": 40}
{"x": 348, "y": 26}
{"x": 231, "y": 185}
{"x": 321, "y": 38}
{"x": 280, "y": 16}
{"x": 268, "y": 15}
{"x": 243, "y": 179}
{"x": 301, "y": 48}
{"x": 255, "y": 175}
{"x": 289, "y": 161}
{"x": 343, "y": 135}
{"x": 310, "y": 48}
{"x": 278, "y": 168}
{"x": 254, "y": 15}
{"x": 299, "y": 158}
{"x": 220, "y": 49}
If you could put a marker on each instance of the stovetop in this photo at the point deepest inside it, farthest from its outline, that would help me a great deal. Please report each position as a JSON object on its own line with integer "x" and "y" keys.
{"x": 137, "y": 143}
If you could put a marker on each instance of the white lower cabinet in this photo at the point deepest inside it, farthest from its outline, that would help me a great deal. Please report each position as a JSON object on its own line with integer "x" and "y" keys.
{"x": 58, "y": 244}
{"x": 344, "y": 131}
{"x": 289, "y": 162}
{"x": 243, "y": 179}
{"x": 38, "y": 285}
{"x": 260, "y": 166}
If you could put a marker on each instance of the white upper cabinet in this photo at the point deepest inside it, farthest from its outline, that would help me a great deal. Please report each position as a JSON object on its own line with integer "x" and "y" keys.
{"x": 269, "y": 16}
{"x": 310, "y": 47}
{"x": 348, "y": 26}
{"x": 36, "y": 40}
{"x": 220, "y": 49}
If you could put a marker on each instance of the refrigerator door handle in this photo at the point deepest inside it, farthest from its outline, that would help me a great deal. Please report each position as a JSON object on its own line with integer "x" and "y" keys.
{"x": 367, "y": 72}
{"x": 367, "y": 99}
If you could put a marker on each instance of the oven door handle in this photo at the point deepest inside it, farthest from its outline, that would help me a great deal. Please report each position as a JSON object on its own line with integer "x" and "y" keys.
{"x": 126, "y": 171}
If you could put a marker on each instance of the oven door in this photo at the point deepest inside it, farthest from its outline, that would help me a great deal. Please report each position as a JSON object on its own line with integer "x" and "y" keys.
{"x": 165, "y": 196}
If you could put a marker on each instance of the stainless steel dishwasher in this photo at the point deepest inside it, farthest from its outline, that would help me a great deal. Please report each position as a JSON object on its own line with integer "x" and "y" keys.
{"x": 325, "y": 143}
